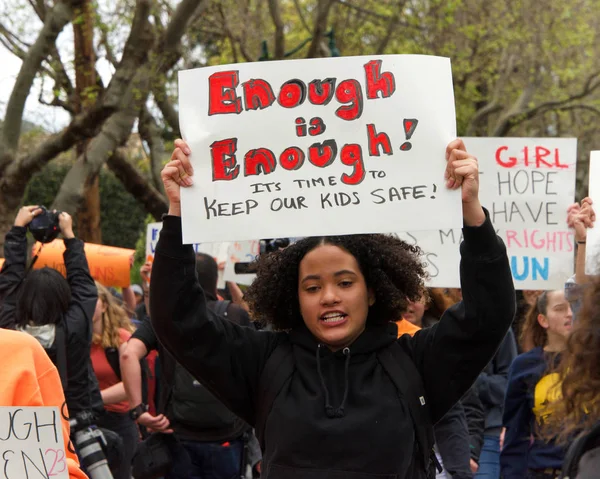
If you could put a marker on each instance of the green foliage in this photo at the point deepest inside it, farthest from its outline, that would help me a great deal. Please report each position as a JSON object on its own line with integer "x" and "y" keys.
{"x": 122, "y": 217}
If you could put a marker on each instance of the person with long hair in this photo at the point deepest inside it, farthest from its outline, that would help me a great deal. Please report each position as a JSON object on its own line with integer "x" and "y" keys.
{"x": 532, "y": 386}
{"x": 577, "y": 411}
{"x": 340, "y": 408}
{"x": 112, "y": 329}
{"x": 56, "y": 311}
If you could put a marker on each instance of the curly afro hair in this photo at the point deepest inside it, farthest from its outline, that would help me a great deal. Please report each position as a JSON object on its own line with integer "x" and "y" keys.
{"x": 391, "y": 267}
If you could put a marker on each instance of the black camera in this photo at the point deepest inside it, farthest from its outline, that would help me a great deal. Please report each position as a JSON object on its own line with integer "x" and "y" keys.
{"x": 44, "y": 227}
{"x": 267, "y": 245}
{"x": 273, "y": 244}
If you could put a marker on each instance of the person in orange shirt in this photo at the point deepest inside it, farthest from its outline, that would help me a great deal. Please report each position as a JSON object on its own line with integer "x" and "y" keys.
{"x": 406, "y": 327}
{"x": 29, "y": 378}
{"x": 112, "y": 329}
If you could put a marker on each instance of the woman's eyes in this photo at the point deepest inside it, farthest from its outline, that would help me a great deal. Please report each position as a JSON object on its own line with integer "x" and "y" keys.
{"x": 341, "y": 284}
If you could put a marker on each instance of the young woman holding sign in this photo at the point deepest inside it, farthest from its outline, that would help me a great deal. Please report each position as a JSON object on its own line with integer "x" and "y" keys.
{"x": 333, "y": 393}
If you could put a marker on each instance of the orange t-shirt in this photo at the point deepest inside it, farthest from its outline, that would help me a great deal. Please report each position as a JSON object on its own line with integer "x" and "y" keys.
{"x": 28, "y": 378}
{"x": 105, "y": 373}
{"x": 406, "y": 327}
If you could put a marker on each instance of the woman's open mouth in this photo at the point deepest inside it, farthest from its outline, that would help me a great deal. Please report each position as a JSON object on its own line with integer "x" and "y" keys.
{"x": 333, "y": 318}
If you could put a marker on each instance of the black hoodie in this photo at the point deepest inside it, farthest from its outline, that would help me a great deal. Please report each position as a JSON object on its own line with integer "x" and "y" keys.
{"x": 339, "y": 416}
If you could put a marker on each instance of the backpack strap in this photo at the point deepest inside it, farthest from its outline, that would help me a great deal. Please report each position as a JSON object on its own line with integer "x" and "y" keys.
{"x": 577, "y": 449}
{"x": 278, "y": 369}
{"x": 409, "y": 384}
{"x": 220, "y": 308}
{"x": 60, "y": 340}
{"x": 113, "y": 358}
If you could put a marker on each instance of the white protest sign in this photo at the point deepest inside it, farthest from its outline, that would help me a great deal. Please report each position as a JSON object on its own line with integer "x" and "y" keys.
{"x": 526, "y": 184}
{"x": 241, "y": 252}
{"x": 317, "y": 147}
{"x": 592, "y": 250}
{"x": 32, "y": 444}
{"x": 216, "y": 250}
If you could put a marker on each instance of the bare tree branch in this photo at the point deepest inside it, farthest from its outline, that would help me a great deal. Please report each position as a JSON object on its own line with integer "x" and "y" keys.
{"x": 154, "y": 202}
{"x": 302, "y": 18}
{"x": 134, "y": 54}
{"x": 56, "y": 20}
{"x": 60, "y": 73}
{"x": 228, "y": 33}
{"x": 110, "y": 56}
{"x": 57, "y": 72}
{"x": 366, "y": 11}
{"x": 481, "y": 114}
{"x": 279, "y": 33}
{"x": 117, "y": 128}
{"x": 13, "y": 43}
{"x": 166, "y": 107}
{"x": 518, "y": 108}
{"x": 150, "y": 133}
{"x": 12, "y": 48}
{"x": 39, "y": 7}
{"x": 114, "y": 133}
{"x": 579, "y": 106}
{"x": 322, "y": 15}
{"x": 18, "y": 173}
{"x": 391, "y": 28}
{"x": 507, "y": 63}
{"x": 244, "y": 35}
{"x": 520, "y": 113}
{"x": 56, "y": 101}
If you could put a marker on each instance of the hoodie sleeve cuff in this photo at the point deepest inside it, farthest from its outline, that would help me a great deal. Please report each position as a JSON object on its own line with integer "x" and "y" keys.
{"x": 19, "y": 231}
{"x": 481, "y": 240}
{"x": 70, "y": 242}
{"x": 170, "y": 240}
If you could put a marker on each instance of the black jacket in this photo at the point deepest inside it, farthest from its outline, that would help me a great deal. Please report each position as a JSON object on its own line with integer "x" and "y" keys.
{"x": 375, "y": 436}
{"x": 475, "y": 415}
{"x": 452, "y": 440}
{"x": 82, "y": 392}
{"x": 145, "y": 334}
{"x": 493, "y": 381}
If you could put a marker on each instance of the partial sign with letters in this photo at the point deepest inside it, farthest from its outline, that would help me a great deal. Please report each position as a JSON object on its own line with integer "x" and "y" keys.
{"x": 108, "y": 265}
{"x": 526, "y": 184}
{"x": 592, "y": 250}
{"x": 218, "y": 251}
{"x": 32, "y": 444}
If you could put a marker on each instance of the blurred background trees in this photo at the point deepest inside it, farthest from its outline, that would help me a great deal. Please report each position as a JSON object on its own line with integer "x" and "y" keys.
{"x": 521, "y": 68}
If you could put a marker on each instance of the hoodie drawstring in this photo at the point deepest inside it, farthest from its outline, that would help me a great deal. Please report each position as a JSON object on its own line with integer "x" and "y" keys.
{"x": 330, "y": 411}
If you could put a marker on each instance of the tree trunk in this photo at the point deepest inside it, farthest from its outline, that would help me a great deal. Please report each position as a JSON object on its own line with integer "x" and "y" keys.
{"x": 88, "y": 215}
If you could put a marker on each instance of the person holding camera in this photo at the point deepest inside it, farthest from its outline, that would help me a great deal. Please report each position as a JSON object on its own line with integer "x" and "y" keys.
{"x": 58, "y": 312}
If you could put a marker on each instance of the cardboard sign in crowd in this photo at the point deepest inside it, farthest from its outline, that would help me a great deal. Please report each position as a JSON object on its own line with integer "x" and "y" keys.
{"x": 318, "y": 147}
{"x": 31, "y": 443}
{"x": 592, "y": 252}
{"x": 526, "y": 184}
{"x": 219, "y": 251}
{"x": 109, "y": 265}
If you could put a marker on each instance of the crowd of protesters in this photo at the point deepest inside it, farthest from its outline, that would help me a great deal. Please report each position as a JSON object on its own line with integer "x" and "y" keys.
{"x": 335, "y": 363}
